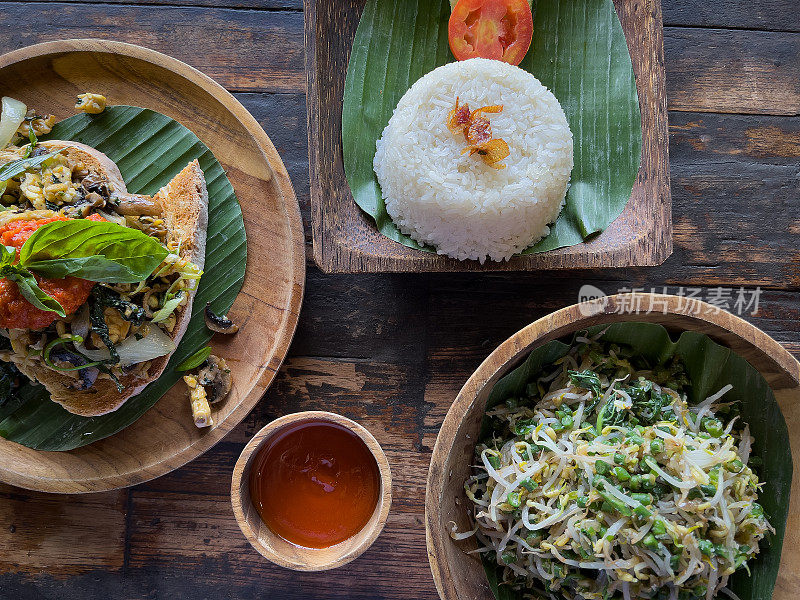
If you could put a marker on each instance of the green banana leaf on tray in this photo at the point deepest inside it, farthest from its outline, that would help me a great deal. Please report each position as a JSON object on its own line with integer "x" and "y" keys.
{"x": 578, "y": 51}
{"x": 709, "y": 367}
{"x": 149, "y": 148}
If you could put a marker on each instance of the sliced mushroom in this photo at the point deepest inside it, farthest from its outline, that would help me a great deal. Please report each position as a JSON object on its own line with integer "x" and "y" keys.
{"x": 219, "y": 323}
{"x": 136, "y": 205}
{"x": 86, "y": 377}
{"x": 215, "y": 376}
{"x": 97, "y": 184}
{"x": 95, "y": 200}
{"x": 90, "y": 201}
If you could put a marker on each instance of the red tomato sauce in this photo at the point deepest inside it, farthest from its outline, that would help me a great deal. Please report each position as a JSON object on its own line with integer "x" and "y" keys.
{"x": 71, "y": 292}
{"x": 315, "y": 484}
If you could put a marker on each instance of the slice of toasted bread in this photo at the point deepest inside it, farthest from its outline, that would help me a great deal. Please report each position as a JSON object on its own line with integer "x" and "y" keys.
{"x": 93, "y": 160}
{"x": 184, "y": 208}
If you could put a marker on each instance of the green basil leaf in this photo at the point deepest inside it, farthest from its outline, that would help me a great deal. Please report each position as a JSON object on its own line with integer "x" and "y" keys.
{"x": 92, "y": 268}
{"x": 94, "y": 250}
{"x": 31, "y": 291}
{"x": 7, "y": 255}
{"x": 19, "y": 166}
{"x": 195, "y": 360}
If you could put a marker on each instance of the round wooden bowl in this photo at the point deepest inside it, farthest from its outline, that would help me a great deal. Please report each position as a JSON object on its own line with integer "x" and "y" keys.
{"x": 273, "y": 547}
{"x": 459, "y": 576}
{"x": 48, "y": 77}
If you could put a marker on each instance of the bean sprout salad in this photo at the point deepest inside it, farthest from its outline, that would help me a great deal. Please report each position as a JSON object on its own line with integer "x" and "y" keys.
{"x": 602, "y": 483}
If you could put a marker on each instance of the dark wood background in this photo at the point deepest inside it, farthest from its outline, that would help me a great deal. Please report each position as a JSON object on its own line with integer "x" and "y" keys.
{"x": 391, "y": 351}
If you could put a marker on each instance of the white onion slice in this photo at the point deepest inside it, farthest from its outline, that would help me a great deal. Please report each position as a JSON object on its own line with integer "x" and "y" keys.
{"x": 12, "y": 116}
{"x": 132, "y": 351}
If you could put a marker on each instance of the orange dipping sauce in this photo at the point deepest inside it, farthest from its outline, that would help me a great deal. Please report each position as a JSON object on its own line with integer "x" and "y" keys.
{"x": 315, "y": 483}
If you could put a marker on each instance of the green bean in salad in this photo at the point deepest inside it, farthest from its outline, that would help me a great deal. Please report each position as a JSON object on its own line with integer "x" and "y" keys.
{"x": 603, "y": 483}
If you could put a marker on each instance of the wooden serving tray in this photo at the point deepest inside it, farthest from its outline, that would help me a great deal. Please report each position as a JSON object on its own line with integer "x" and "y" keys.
{"x": 48, "y": 77}
{"x": 346, "y": 240}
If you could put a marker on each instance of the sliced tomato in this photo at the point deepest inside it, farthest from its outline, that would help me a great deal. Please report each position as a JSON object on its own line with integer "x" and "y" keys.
{"x": 498, "y": 29}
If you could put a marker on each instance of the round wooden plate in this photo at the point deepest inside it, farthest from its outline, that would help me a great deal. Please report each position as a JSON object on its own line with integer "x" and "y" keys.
{"x": 460, "y": 576}
{"x": 48, "y": 77}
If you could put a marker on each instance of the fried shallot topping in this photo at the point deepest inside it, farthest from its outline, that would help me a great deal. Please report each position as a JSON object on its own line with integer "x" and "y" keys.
{"x": 478, "y": 133}
{"x": 492, "y": 152}
{"x": 458, "y": 118}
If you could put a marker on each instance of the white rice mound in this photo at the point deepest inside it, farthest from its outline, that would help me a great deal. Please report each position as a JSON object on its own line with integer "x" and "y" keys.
{"x": 457, "y": 203}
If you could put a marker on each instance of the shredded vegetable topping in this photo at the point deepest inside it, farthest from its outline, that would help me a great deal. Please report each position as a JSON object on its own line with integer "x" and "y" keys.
{"x": 604, "y": 483}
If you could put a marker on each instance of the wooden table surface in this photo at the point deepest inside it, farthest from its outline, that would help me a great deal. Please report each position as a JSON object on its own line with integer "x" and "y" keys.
{"x": 392, "y": 351}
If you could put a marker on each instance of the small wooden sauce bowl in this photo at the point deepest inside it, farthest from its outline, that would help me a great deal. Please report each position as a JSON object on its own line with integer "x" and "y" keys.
{"x": 276, "y": 549}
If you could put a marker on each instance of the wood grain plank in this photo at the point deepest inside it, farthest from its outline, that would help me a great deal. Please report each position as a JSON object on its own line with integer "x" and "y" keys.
{"x": 92, "y": 584}
{"x": 708, "y": 70}
{"x": 735, "y": 191}
{"x": 212, "y": 551}
{"x": 63, "y": 535}
{"x": 718, "y": 70}
{"x": 387, "y": 320}
{"x": 454, "y": 348}
{"x": 768, "y": 15}
{"x": 746, "y": 138}
{"x": 244, "y": 50}
{"x": 266, "y": 5}
{"x": 771, "y": 15}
